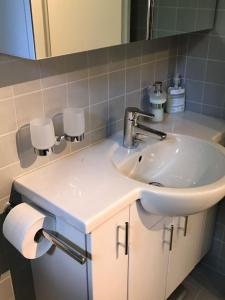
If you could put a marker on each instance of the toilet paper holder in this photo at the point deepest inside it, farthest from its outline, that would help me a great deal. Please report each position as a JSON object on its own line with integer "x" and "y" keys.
{"x": 59, "y": 241}
{"x": 66, "y": 246}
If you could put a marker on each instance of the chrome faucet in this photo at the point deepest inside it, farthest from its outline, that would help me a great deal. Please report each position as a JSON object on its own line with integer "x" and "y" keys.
{"x": 131, "y": 121}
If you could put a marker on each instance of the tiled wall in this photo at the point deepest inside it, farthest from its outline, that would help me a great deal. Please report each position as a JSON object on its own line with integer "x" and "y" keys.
{"x": 201, "y": 60}
{"x": 103, "y": 82}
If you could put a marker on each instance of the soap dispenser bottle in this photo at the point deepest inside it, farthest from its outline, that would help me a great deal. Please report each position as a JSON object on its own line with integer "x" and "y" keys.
{"x": 157, "y": 100}
{"x": 176, "y": 96}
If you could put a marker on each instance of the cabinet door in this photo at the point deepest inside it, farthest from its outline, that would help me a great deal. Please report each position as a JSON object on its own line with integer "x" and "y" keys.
{"x": 109, "y": 266}
{"x": 16, "y": 32}
{"x": 81, "y": 25}
{"x": 148, "y": 254}
{"x": 56, "y": 275}
{"x": 185, "y": 254}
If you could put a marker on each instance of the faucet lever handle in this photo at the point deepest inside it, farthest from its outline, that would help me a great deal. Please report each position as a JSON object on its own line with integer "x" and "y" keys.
{"x": 135, "y": 113}
{"x": 144, "y": 114}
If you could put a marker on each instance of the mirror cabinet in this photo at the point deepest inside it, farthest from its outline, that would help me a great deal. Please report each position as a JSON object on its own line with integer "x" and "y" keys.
{"x": 37, "y": 29}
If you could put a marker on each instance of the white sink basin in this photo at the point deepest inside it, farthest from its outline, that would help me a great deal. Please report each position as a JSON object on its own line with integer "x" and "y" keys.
{"x": 181, "y": 175}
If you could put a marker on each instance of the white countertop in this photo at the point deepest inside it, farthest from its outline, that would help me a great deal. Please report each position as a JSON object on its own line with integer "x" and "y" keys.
{"x": 85, "y": 189}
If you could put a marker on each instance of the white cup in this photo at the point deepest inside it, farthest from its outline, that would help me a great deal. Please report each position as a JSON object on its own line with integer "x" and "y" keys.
{"x": 73, "y": 121}
{"x": 42, "y": 133}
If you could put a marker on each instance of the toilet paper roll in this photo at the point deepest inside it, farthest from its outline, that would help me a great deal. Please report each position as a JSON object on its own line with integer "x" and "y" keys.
{"x": 21, "y": 226}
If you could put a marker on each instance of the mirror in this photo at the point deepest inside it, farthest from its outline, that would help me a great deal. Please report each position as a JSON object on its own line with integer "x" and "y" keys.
{"x": 82, "y": 25}
{"x": 151, "y": 19}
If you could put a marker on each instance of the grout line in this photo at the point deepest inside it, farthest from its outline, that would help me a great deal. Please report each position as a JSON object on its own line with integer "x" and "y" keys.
{"x": 8, "y": 166}
{"x": 108, "y": 69}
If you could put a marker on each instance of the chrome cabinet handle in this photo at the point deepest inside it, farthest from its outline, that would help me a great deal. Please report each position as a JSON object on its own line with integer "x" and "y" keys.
{"x": 148, "y": 20}
{"x": 126, "y": 237}
{"x": 171, "y": 229}
{"x": 186, "y": 226}
{"x": 125, "y": 245}
{"x": 151, "y": 19}
{"x": 171, "y": 237}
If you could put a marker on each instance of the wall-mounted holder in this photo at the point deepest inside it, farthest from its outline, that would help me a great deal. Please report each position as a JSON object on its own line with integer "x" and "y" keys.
{"x": 43, "y": 134}
{"x": 74, "y": 124}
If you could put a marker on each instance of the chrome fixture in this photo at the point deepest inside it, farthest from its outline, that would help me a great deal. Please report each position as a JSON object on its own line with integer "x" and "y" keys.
{"x": 171, "y": 230}
{"x": 42, "y": 132}
{"x": 66, "y": 246}
{"x": 43, "y": 152}
{"x": 131, "y": 122}
{"x": 74, "y": 139}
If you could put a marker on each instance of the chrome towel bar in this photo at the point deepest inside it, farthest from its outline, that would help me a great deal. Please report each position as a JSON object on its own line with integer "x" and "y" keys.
{"x": 66, "y": 246}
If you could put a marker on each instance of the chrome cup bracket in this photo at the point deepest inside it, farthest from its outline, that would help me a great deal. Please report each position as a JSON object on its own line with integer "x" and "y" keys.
{"x": 74, "y": 139}
{"x": 44, "y": 152}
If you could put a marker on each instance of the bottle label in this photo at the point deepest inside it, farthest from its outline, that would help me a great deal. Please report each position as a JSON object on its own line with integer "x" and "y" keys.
{"x": 177, "y": 92}
{"x": 175, "y": 109}
{"x": 176, "y": 101}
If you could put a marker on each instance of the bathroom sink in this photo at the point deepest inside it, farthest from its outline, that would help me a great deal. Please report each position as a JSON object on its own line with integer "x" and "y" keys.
{"x": 181, "y": 175}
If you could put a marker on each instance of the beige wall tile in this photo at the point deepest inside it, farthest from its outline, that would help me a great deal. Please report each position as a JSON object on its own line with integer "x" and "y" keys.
{"x": 54, "y": 100}
{"x": 6, "y": 92}
{"x": 6, "y": 74}
{"x": 162, "y": 70}
{"x": 133, "y": 99}
{"x": 87, "y": 119}
{"x": 8, "y": 151}
{"x": 26, "y": 76}
{"x": 133, "y": 54}
{"x": 99, "y": 115}
{"x": 98, "y": 62}
{"x": 28, "y": 107}
{"x": 3, "y": 202}
{"x": 116, "y": 58}
{"x": 115, "y": 127}
{"x": 6, "y": 290}
{"x": 76, "y": 66}
{"x": 98, "y": 89}
{"x": 7, "y": 175}
{"x": 78, "y": 93}
{"x": 98, "y": 135}
{"x": 7, "y": 116}
{"x": 53, "y": 71}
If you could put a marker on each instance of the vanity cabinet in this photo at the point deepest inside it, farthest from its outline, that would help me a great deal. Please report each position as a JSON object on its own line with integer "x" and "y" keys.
{"x": 164, "y": 251}
{"x": 135, "y": 255}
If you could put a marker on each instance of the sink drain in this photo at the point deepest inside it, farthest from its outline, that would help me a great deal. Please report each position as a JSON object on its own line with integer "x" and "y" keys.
{"x": 155, "y": 183}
